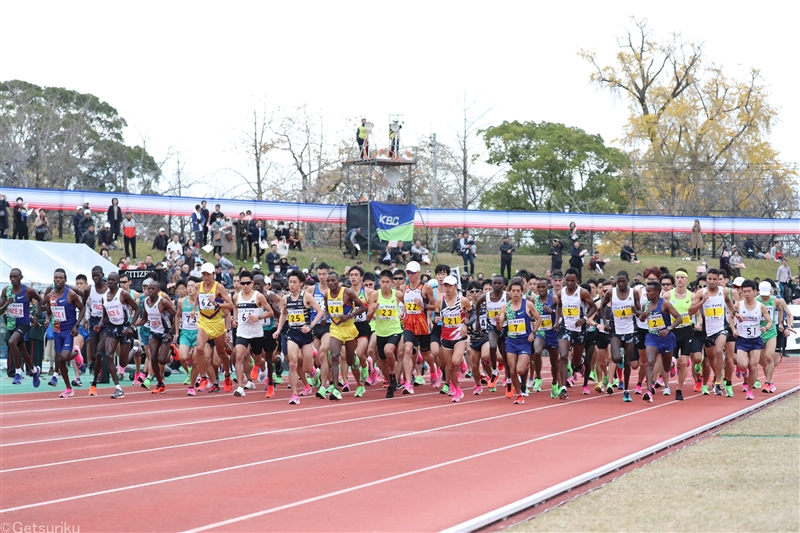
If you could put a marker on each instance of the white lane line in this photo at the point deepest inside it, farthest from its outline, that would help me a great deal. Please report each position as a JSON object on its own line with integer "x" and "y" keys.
{"x": 296, "y": 456}
{"x": 237, "y": 437}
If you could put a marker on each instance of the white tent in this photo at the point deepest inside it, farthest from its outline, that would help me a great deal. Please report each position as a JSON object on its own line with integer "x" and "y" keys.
{"x": 38, "y": 260}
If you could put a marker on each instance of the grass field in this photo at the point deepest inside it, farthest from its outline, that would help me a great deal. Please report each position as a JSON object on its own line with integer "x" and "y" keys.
{"x": 488, "y": 264}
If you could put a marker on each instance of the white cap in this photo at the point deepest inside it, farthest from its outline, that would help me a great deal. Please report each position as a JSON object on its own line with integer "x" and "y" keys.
{"x": 267, "y": 281}
{"x": 161, "y": 229}
{"x": 87, "y": 211}
{"x": 738, "y": 281}
{"x": 106, "y": 225}
{"x": 256, "y": 266}
{"x": 79, "y": 208}
{"x": 764, "y": 288}
{"x": 450, "y": 280}
{"x": 207, "y": 268}
{"x": 413, "y": 266}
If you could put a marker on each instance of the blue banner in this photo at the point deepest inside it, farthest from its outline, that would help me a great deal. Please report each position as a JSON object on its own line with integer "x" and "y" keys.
{"x": 394, "y": 222}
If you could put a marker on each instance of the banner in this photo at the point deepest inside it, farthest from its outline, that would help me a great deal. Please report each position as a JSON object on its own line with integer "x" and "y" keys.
{"x": 359, "y": 216}
{"x": 394, "y": 222}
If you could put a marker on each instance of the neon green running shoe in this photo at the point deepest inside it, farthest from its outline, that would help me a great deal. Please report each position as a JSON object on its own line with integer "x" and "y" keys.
{"x": 569, "y": 369}
{"x": 554, "y": 390}
{"x": 364, "y": 374}
{"x": 728, "y": 391}
{"x": 493, "y": 389}
{"x": 146, "y": 383}
{"x": 316, "y": 382}
{"x": 335, "y": 394}
{"x": 360, "y": 391}
{"x": 445, "y": 389}
{"x": 188, "y": 380}
{"x": 419, "y": 380}
{"x": 537, "y": 385}
{"x": 278, "y": 380}
{"x": 593, "y": 375}
{"x": 322, "y": 393}
{"x": 757, "y": 385}
{"x": 704, "y": 390}
{"x": 605, "y": 381}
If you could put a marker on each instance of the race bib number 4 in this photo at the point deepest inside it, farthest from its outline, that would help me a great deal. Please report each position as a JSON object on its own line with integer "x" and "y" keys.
{"x": 623, "y": 312}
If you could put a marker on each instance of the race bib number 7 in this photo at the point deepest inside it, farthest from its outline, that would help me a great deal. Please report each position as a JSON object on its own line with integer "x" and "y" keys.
{"x": 516, "y": 325}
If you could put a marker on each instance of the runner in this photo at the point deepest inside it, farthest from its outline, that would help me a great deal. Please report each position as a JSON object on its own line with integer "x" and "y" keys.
{"x": 438, "y": 378}
{"x": 383, "y": 307}
{"x": 357, "y": 285}
{"x": 546, "y": 338}
{"x": 186, "y": 333}
{"x": 295, "y": 307}
{"x": 215, "y": 305}
{"x": 753, "y": 319}
{"x": 681, "y": 299}
{"x": 65, "y": 306}
{"x": 322, "y": 329}
{"x": 777, "y": 310}
{"x": 662, "y": 319}
{"x": 516, "y": 314}
{"x": 478, "y": 349}
{"x": 252, "y": 308}
{"x": 93, "y": 301}
{"x": 604, "y": 369}
{"x": 495, "y": 302}
{"x": 457, "y": 315}
{"x": 117, "y": 323}
{"x": 571, "y": 304}
{"x": 713, "y": 301}
{"x": 158, "y": 313}
{"x": 343, "y": 305}
{"x": 624, "y": 303}
{"x": 417, "y": 298}
{"x": 15, "y": 302}
{"x": 266, "y": 365}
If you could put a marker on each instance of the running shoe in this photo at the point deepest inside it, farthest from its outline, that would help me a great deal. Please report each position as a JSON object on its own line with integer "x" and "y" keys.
{"x": 270, "y": 392}
{"x": 261, "y": 376}
{"x": 228, "y": 384}
{"x": 493, "y": 380}
{"x": 254, "y": 373}
{"x": 374, "y": 378}
{"x": 191, "y": 392}
{"x": 609, "y": 390}
{"x": 500, "y": 367}
{"x": 436, "y": 378}
{"x": 307, "y": 391}
{"x": 364, "y": 374}
{"x": 772, "y": 388}
{"x": 520, "y": 400}
{"x": 570, "y": 381}
{"x": 563, "y": 394}
{"x": 203, "y": 384}
{"x": 359, "y": 392}
{"x": 648, "y": 396}
{"x": 445, "y": 389}
{"x": 79, "y": 360}
{"x": 698, "y": 368}
{"x": 493, "y": 389}
{"x": 525, "y": 392}
{"x": 569, "y": 369}
{"x": 238, "y": 392}
{"x": 704, "y": 390}
{"x": 408, "y": 388}
{"x": 188, "y": 380}
{"x": 345, "y": 386}
{"x": 93, "y": 390}
{"x": 586, "y": 391}
{"x": 673, "y": 370}
{"x": 618, "y": 384}
{"x": 667, "y": 391}
{"x": 335, "y": 394}
{"x": 419, "y": 380}
{"x": 316, "y": 382}
{"x": 390, "y": 392}
{"x": 659, "y": 383}
{"x": 53, "y": 381}
{"x": 728, "y": 391}
{"x": 76, "y": 382}
{"x": 554, "y": 389}
{"x": 322, "y": 393}
{"x": 17, "y": 380}
{"x": 738, "y": 372}
{"x": 757, "y": 385}
{"x": 509, "y": 391}
{"x": 250, "y": 386}
{"x": 697, "y": 386}
{"x": 68, "y": 393}
{"x": 146, "y": 383}
{"x": 35, "y": 375}
{"x": 161, "y": 389}
{"x": 593, "y": 375}
{"x": 117, "y": 394}
{"x": 213, "y": 388}
{"x": 626, "y": 397}
{"x": 484, "y": 381}
{"x": 749, "y": 396}
{"x": 638, "y": 389}
{"x": 234, "y": 379}
{"x": 478, "y": 390}
{"x": 529, "y": 384}
{"x": 718, "y": 389}
{"x": 537, "y": 385}
{"x": 458, "y": 395}
{"x": 744, "y": 387}
{"x": 599, "y": 388}
{"x": 679, "y": 395}
{"x": 120, "y": 373}
{"x": 277, "y": 380}
{"x": 294, "y": 400}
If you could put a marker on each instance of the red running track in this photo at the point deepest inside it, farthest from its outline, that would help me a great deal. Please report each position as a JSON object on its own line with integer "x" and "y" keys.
{"x": 415, "y": 463}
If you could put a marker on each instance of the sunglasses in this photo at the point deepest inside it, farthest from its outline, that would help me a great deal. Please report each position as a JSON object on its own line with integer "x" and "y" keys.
{"x": 399, "y": 279}
{"x": 245, "y": 282}
{"x": 665, "y": 283}
{"x": 409, "y": 272}
{"x": 475, "y": 291}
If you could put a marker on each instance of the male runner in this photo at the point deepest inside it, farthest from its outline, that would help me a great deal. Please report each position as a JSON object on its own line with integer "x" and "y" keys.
{"x": 572, "y": 325}
{"x": 495, "y": 302}
{"x": 117, "y": 323}
{"x": 478, "y": 349}
{"x": 186, "y": 333}
{"x": 265, "y": 366}
{"x": 214, "y": 304}
{"x": 437, "y": 375}
{"x": 356, "y": 276}
{"x": 457, "y": 314}
{"x": 546, "y": 337}
{"x": 15, "y": 302}
{"x": 384, "y": 309}
{"x": 252, "y": 308}
{"x": 93, "y": 301}
{"x": 66, "y": 307}
{"x": 516, "y": 315}
{"x": 752, "y": 320}
{"x": 417, "y": 297}
{"x": 159, "y": 314}
{"x": 662, "y": 319}
{"x": 777, "y": 309}
{"x": 681, "y": 299}
{"x": 624, "y": 303}
{"x": 343, "y": 305}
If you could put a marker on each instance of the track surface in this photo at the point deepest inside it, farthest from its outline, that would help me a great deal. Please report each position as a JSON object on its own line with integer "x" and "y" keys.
{"x": 415, "y": 463}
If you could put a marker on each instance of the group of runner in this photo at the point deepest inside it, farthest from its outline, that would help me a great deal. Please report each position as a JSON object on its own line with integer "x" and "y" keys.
{"x": 393, "y": 328}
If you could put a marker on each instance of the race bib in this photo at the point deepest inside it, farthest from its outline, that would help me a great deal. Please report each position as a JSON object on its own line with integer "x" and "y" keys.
{"x": 686, "y": 320}
{"x": 155, "y": 323}
{"x": 494, "y": 313}
{"x": 296, "y": 316}
{"x": 16, "y": 311}
{"x": 335, "y": 308}
{"x": 205, "y": 301}
{"x": 189, "y": 321}
{"x": 413, "y": 309}
{"x": 451, "y": 321}
{"x": 571, "y": 311}
{"x": 387, "y": 312}
{"x": 97, "y": 308}
{"x": 714, "y": 312}
{"x": 623, "y": 312}
{"x": 516, "y": 325}
{"x": 116, "y": 314}
{"x": 484, "y": 322}
{"x": 59, "y": 313}
{"x": 547, "y": 322}
{"x": 655, "y": 322}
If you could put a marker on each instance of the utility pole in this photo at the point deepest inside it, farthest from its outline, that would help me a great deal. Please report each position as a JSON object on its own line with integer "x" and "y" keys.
{"x": 435, "y": 195}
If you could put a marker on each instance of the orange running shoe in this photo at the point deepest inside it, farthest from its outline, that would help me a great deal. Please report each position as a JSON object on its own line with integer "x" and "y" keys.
{"x": 203, "y": 384}
{"x": 254, "y": 373}
{"x": 509, "y": 391}
{"x": 492, "y": 381}
{"x": 698, "y": 385}
{"x": 228, "y": 384}
{"x": 161, "y": 389}
{"x": 92, "y": 391}
{"x": 270, "y": 391}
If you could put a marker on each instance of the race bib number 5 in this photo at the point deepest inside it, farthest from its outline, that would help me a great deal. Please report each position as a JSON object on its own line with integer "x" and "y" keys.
{"x": 571, "y": 312}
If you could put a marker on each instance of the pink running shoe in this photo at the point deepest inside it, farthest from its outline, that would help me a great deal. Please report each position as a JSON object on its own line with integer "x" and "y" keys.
{"x": 638, "y": 389}
{"x": 586, "y": 391}
{"x": 463, "y": 367}
{"x": 409, "y": 388}
{"x": 478, "y": 390}
{"x": 191, "y": 392}
{"x": 120, "y": 371}
{"x": 744, "y": 387}
{"x": 749, "y": 396}
{"x": 738, "y": 372}
{"x": 294, "y": 400}
{"x": 68, "y": 393}
{"x": 419, "y": 359}
{"x": 79, "y": 357}
{"x": 307, "y": 391}
{"x": 458, "y": 395}
{"x": 772, "y": 388}
{"x": 314, "y": 352}
{"x": 673, "y": 370}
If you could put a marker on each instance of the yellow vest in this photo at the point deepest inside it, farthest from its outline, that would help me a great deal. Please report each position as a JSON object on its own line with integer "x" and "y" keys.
{"x": 362, "y": 132}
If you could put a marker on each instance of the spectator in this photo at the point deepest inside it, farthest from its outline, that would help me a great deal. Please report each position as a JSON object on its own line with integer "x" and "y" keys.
{"x": 725, "y": 261}
{"x": 174, "y": 247}
{"x": 77, "y": 220}
{"x": 114, "y": 218}
{"x": 104, "y": 237}
{"x": 104, "y": 253}
{"x": 283, "y": 267}
{"x": 216, "y": 215}
{"x": 419, "y": 253}
{"x": 129, "y": 233}
{"x": 253, "y": 235}
{"x": 295, "y": 242}
{"x": 675, "y": 247}
{"x": 696, "y": 242}
{"x": 293, "y": 264}
{"x": 241, "y": 228}
{"x": 455, "y": 247}
{"x": 506, "y": 251}
{"x": 597, "y": 264}
{"x": 573, "y": 231}
{"x": 160, "y": 242}
{"x": 736, "y": 263}
{"x": 350, "y": 244}
{"x": 556, "y": 254}
{"x": 468, "y": 253}
{"x": 40, "y": 225}
{"x": 222, "y": 261}
{"x": 4, "y": 205}
{"x": 628, "y": 254}
{"x": 749, "y": 248}
{"x": 86, "y": 221}
{"x": 206, "y": 223}
{"x": 258, "y": 234}
{"x": 273, "y": 259}
{"x": 20, "y": 214}
{"x": 190, "y": 256}
{"x": 784, "y": 275}
{"x": 386, "y": 258}
{"x": 148, "y": 262}
{"x": 282, "y": 232}
{"x": 576, "y": 257}
{"x": 400, "y": 253}
{"x": 227, "y": 236}
{"x": 776, "y": 253}
{"x": 88, "y": 238}
{"x": 86, "y": 205}
{"x": 198, "y": 224}
{"x": 216, "y": 235}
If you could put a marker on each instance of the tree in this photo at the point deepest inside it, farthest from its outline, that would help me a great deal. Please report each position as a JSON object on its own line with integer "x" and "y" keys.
{"x": 554, "y": 167}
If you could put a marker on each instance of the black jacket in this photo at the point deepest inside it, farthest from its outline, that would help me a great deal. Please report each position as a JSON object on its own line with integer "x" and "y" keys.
{"x": 114, "y": 215}
{"x": 160, "y": 243}
{"x": 88, "y": 238}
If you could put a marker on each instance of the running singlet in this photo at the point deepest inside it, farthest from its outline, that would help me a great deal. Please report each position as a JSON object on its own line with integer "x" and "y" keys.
{"x": 547, "y": 318}
{"x": 320, "y": 298}
{"x": 20, "y": 309}
{"x": 772, "y": 312}
{"x": 641, "y": 324}
{"x": 452, "y": 319}
{"x": 64, "y": 313}
{"x": 245, "y": 307}
{"x": 114, "y": 309}
{"x": 154, "y": 319}
{"x": 656, "y": 319}
{"x": 268, "y": 324}
{"x": 188, "y": 316}
{"x": 416, "y": 320}
{"x": 205, "y": 302}
{"x": 493, "y": 309}
{"x": 362, "y": 295}
{"x": 483, "y": 318}
{"x": 750, "y": 325}
{"x": 96, "y": 302}
{"x": 622, "y": 311}
{"x": 297, "y": 314}
{"x": 519, "y": 322}
{"x": 571, "y": 309}
{"x": 682, "y": 306}
{"x": 387, "y": 320}
{"x": 336, "y": 307}
{"x": 714, "y": 312}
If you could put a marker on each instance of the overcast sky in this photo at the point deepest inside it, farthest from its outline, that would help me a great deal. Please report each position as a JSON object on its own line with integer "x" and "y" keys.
{"x": 188, "y": 74}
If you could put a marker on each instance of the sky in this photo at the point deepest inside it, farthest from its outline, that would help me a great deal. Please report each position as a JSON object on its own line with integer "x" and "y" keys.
{"x": 188, "y": 75}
